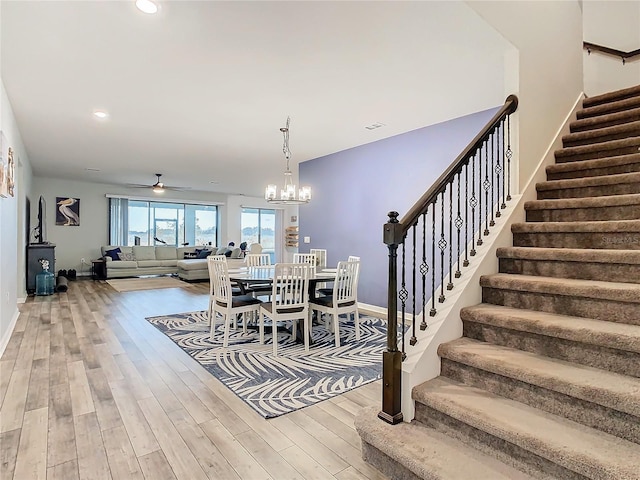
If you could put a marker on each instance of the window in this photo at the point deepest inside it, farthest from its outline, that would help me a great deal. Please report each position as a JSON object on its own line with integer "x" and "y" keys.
{"x": 161, "y": 223}
{"x": 259, "y": 226}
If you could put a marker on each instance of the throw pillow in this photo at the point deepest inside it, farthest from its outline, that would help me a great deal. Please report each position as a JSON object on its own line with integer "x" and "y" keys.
{"x": 203, "y": 253}
{"x": 126, "y": 256}
{"x": 113, "y": 253}
{"x": 221, "y": 251}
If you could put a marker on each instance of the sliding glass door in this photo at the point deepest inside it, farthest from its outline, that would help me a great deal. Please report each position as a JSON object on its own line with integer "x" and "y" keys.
{"x": 258, "y": 225}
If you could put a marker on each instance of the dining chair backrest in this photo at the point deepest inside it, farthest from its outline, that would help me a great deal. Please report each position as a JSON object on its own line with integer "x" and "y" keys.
{"x": 345, "y": 287}
{"x": 353, "y": 258}
{"x": 290, "y": 287}
{"x": 255, "y": 248}
{"x": 321, "y": 256}
{"x": 257, "y": 259}
{"x": 219, "y": 275}
{"x": 309, "y": 258}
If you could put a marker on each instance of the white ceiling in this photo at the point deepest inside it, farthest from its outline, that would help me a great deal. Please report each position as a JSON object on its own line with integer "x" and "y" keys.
{"x": 199, "y": 91}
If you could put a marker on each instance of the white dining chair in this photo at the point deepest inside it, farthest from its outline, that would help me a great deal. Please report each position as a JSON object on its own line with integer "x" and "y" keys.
{"x": 290, "y": 301}
{"x": 309, "y": 258}
{"x": 329, "y": 291}
{"x": 321, "y": 256}
{"x": 224, "y": 302}
{"x": 342, "y": 301}
{"x": 258, "y": 260}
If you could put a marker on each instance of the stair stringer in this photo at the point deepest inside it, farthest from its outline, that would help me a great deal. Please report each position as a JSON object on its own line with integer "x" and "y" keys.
{"x": 422, "y": 362}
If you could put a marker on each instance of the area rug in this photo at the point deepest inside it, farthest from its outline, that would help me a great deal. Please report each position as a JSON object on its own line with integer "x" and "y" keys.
{"x": 294, "y": 379}
{"x": 145, "y": 283}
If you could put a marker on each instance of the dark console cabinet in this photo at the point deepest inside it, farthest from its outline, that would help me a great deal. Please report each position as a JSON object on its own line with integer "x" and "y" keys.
{"x": 35, "y": 253}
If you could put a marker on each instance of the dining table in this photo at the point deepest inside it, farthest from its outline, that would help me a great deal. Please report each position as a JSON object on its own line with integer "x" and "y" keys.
{"x": 244, "y": 277}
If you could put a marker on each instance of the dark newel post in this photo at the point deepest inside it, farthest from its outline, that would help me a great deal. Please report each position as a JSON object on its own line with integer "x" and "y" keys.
{"x": 392, "y": 358}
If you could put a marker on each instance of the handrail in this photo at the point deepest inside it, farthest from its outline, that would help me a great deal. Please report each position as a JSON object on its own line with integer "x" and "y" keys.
{"x": 421, "y": 206}
{"x": 610, "y": 51}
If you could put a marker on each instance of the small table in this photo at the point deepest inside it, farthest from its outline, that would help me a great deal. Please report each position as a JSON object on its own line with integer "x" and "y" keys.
{"x": 99, "y": 269}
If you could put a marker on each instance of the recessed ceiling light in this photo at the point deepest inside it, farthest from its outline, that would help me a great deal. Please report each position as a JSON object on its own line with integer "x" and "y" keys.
{"x": 214, "y": 182}
{"x": 373, "y": 126}
{"x": 100, "y": 114}
{"x": 147, "y": 6}
{"x": 89, "y": 169}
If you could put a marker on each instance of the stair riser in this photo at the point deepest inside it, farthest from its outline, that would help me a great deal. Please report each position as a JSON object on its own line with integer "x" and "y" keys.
{"x": 503, "y": 450}
{"x": 612, "y": 169}
{"x": 620, "y": 119}
{"x": 587, "y": 214}
{"x": 628, "y": 150}
{"x": 571, "y": 141}
{"x": 592, "y": 191}
{"x": 605, "y": 109}
{"x": 608, "y": 240}
{"x": 388, "y": 465}
{"x": 595, "y": 416}
{"x": 599, "y": 309}
{"x": 605, "y": 358}
{"x": 607, "y": 272}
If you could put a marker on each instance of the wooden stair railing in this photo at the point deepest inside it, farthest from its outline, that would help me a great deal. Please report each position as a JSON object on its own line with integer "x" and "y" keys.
{"x": 458, "y": 214}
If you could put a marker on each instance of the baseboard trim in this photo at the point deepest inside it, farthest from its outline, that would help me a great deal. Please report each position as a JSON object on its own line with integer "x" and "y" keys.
{"x": 7, "y": 335}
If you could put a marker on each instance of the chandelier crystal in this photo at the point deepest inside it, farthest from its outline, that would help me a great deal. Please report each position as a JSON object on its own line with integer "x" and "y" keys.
{"x": 288, "y": 195}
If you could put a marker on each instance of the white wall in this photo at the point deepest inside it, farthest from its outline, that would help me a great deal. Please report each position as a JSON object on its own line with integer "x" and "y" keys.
{"x": 613, "y": 24}
{"x": 548, "y": 39}
{"x": 12, "y": 219}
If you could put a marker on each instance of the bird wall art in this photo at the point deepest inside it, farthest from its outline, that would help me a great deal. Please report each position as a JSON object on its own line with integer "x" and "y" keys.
{"x": 68, "y": 211}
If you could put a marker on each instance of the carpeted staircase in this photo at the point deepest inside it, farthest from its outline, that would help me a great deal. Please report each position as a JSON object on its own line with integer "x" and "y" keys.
{"x": 545, "y": 382}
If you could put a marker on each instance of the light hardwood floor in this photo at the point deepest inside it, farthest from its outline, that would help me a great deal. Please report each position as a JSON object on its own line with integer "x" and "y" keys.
{"x": 90, "y": 390}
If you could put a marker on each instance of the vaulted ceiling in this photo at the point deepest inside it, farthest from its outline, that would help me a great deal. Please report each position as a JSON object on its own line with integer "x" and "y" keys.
{"x": 199, "y": 91}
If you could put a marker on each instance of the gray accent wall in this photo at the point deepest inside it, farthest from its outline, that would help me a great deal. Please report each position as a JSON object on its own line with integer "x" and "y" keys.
{"x": 354, "y": 190}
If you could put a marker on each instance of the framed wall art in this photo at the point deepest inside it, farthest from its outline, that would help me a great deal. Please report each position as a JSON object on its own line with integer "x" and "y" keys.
{"x": 67, "y": 211}
{"x": 4, "y": 189}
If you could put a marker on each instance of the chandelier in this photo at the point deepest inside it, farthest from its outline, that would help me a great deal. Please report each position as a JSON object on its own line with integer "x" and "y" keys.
{"x": 288, "y": 194}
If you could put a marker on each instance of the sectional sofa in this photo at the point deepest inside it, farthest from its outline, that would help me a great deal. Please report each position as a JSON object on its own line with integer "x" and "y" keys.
{"x": 123, "y": 261}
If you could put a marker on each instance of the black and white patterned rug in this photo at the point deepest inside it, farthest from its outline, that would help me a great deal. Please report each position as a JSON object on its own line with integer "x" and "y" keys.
{"x": 294, "y": 379}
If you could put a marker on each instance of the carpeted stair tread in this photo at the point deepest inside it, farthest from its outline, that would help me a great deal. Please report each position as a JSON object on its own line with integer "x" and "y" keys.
{"x": 608, "y": 226}
{"x": 609, "y": 107}
{"x": 429, "y": 454}
{"x": 612, "y": 335}
{"x": 598, "y": 150}
{"x": 607, "y": 120}
{"x": 603, "y": 134}
{"x": 583, "y": 168}
{"x": 591, "y": 255}
{"x": 600, "y": 180}
{"x": 611, "y": 390}
{"x": 593, "y": 289}
{"x": 588, "y": 202}
{"x": 620, "y": 94}
{"x": 578, "y": 448}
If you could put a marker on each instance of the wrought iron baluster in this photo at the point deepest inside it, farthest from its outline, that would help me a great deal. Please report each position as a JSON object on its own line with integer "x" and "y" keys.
{"x": 413, "y": 339}
{"x": 499, "y": 170}
{"x": 508, "y": 154}
{"x": 479, "y": 241}
{"x": 424, "y": 269}
{"x": 486, "y": 184}
{"x": 490, "y": 173}
{"x": 403, "y": 295}
{"x": 450, "y": 284}
{"x": 473, "y": 202}
{"x": 458, "y": 223}
{"x": 442, "y": 244}
{"x": 433, "y": 310}
{"x": 466, "y": 215}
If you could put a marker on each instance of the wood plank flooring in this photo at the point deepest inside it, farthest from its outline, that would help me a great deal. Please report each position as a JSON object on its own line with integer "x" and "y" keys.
{"x": 90, "y": 390}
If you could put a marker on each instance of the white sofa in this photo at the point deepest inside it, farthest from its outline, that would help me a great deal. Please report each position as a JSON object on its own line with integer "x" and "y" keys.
{"x": 149, "y": 260}
{"x": 161, "y": 260}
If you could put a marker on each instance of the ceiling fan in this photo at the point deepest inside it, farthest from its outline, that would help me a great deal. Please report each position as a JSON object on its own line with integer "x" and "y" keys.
{"x": 158, "y": 187}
